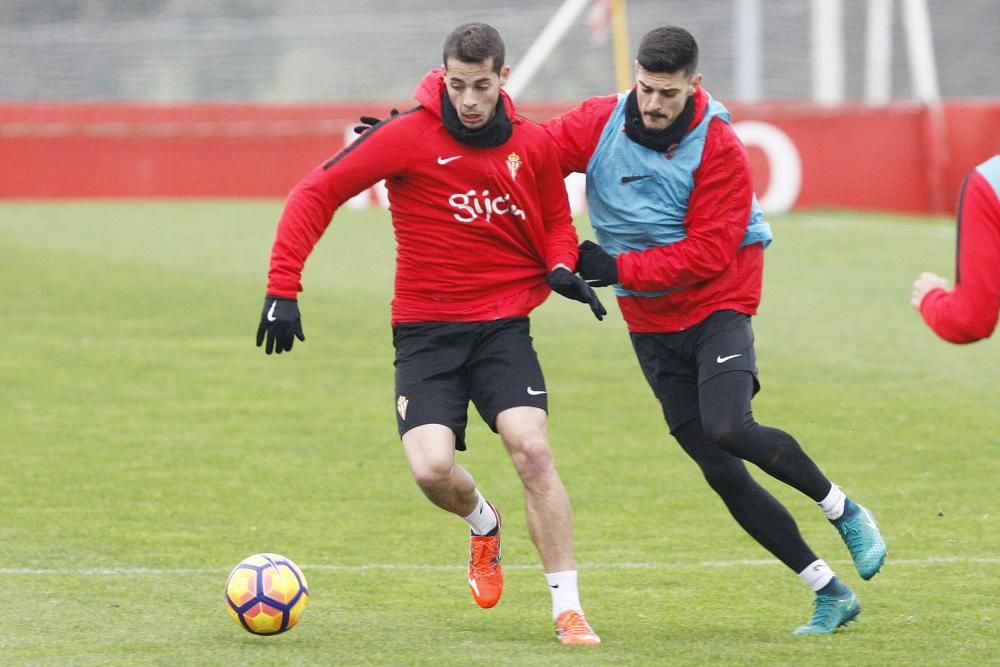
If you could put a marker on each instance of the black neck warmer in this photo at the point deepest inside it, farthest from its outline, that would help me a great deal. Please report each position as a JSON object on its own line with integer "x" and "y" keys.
{"x": 493, "y": 133}
{"x": 658, "y": 140}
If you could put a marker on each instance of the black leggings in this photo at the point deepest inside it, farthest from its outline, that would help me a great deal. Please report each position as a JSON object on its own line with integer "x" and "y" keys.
{"x": 727, "y": 435}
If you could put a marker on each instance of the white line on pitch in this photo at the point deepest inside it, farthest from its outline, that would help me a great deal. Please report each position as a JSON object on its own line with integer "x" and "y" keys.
{"x": 328, "y": 567}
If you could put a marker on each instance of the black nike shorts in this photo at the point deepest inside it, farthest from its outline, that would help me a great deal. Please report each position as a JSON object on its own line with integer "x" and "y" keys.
{"x": 675, "y": 364}
{"x": 441, "y": 366}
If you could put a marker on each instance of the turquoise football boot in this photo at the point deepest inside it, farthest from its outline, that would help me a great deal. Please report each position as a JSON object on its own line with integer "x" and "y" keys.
{"x": 832, "y": 611}
{"x": 860, "y": 533}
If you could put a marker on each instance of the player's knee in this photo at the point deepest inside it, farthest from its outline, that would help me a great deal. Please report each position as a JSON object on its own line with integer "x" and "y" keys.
{"x": 431, "y": 474}
{"x": 531, "y": 455}
{"x": 727, "y": 434}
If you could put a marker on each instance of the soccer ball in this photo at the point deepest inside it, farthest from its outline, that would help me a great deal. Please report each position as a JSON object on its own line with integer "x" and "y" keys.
{"x": 266, "y": 594}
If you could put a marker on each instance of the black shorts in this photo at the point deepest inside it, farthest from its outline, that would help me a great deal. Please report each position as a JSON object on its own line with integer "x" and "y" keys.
{"x": 441, "y": 366}
{"x": 675, "y": 364}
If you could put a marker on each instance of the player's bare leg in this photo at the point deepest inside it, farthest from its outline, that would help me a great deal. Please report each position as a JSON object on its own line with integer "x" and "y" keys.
{"x": 430, "y": 450}
{"x": 550, "y": 520}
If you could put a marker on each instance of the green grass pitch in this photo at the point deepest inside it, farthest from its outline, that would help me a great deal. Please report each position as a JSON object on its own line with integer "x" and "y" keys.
{"x": 146, "y": 447}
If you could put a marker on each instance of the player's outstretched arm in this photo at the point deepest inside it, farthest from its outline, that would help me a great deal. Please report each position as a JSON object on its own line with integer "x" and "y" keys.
{"x": 969, "y": 311}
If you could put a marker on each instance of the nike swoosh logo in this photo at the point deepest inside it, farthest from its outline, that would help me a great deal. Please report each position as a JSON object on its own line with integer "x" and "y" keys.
{"x": 630, "y": 179}
{"x": 535, "y": 392}
{"x": 472, "y": 583}
{"x": 446, "y": 160}
{"x": 553, "y": 585}
{"x": 721, "y": 359}
{"x": 270, "y": 313}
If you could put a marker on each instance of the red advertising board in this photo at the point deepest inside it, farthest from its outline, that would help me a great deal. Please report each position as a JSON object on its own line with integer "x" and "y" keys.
{"x": 905, "y": 158}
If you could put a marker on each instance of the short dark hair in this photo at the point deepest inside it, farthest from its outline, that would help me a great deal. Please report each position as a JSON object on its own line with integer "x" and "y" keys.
{"x": 667, "y": 50}
{"x": 475, "y": 43}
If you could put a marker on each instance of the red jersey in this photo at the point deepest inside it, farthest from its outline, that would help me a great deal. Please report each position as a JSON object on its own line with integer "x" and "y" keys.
{"x": 970, "y": 311}
{"x": 477, "y": 229}
{"x": 710, "y": 267}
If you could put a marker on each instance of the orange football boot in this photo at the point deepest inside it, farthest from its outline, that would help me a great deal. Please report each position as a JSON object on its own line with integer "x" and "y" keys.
{"x": 485, "y": 569}
{"x": 572, "y": 629}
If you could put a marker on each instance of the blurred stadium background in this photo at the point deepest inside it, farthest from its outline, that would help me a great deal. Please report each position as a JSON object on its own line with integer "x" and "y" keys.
{"x": 329, "y": 50}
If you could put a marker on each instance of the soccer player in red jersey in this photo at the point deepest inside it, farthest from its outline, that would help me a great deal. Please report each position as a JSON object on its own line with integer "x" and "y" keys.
{"x": 483, "y": 234}
{"x": 682, "y": 240}
{"x": 969, "y": 312}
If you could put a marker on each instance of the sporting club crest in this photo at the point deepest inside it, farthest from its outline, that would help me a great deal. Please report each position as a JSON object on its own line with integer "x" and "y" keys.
{"x": 513, "y": 164}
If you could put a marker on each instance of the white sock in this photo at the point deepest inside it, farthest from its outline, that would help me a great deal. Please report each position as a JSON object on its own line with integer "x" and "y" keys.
{"x": 833, "y": 504}
{"x": 817, "y": 574}
{"x": 565, "y": 596}
{"x": 483, "y": 519}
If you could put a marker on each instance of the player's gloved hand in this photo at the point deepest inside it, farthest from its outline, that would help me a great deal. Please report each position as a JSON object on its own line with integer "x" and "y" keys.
{"x": 371, "y": 121}
{"x": 281, "y": 323}
{"x": 572, "y": 286}
{"x": 596, "y": 266}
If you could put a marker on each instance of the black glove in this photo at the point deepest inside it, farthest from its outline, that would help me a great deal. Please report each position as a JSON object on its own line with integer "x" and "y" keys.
{"x": 596, "y": 266}
{"x": 372, "y": 121}
{"x": 571, "y": 286}
{"x": 281, "y": 322}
